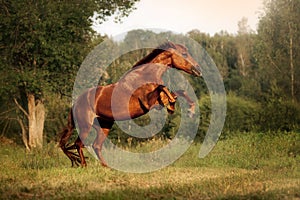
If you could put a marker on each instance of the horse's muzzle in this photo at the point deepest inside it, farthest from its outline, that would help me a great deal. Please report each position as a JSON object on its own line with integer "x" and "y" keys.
{"x": 196, "y": 70}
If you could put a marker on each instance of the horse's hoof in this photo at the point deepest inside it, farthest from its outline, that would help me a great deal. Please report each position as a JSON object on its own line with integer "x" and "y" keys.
{"x": 191, "y": 114}
{"x": 172, "y": 100}
{"x": 104, "y": 164}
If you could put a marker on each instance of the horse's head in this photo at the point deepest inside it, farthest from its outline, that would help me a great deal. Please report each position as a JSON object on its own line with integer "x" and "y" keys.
{"x": 173, "y": 55}
{"x": 180, "y": 58}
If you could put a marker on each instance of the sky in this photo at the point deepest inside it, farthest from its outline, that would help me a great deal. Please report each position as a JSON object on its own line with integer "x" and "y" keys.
{"x": 181, "y": 16}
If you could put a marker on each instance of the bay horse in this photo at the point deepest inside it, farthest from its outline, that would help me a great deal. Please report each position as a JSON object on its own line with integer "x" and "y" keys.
{"x": 135, "y": 94}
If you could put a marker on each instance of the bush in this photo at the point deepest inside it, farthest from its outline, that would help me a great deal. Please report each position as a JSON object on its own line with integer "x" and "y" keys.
{"x": 279, "y": 115}
{"x": 242, "y": 115}
{"x": 246, "y": 115}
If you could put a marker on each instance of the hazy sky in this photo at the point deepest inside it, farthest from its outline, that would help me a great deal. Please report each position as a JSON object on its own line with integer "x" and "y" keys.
{"x": 181, "y": 16}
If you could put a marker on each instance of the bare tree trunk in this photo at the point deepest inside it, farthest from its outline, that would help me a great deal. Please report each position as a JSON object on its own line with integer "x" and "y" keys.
{"x": 36, "y": 119}
{"x": 32, "y": 121}
{"x": 243, "y": 67}
{"x": 40, "y": 119}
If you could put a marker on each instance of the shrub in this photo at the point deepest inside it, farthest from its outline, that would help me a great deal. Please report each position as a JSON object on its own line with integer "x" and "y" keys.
{"x": 246, "y": 115}
{"x": 279, "y": 115}
{"x": 242, "y": 115}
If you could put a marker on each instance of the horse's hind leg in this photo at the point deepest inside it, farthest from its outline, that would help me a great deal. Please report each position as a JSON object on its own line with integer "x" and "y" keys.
{"x": 67, "y": 132}
{"x": 79, "y": 144}
{"x": 102, "y": 133}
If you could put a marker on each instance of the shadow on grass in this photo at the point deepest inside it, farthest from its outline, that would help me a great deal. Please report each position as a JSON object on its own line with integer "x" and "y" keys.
{"x": 209, "y": 189}
{"x": 187, "y": 192}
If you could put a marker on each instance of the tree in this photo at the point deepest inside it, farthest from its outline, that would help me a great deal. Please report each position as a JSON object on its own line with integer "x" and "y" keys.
{"x": 42, "y": 45}
{"x": 244, "y": 43}
{"x": 278, "y": 44}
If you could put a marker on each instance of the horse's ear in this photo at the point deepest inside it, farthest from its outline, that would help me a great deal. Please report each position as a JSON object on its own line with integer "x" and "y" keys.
{"x": 182, "y": 46}
{"x": 171, "y": 44}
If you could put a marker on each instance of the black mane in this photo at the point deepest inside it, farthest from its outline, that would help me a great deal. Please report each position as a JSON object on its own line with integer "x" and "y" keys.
{"x": 161, "y": 48}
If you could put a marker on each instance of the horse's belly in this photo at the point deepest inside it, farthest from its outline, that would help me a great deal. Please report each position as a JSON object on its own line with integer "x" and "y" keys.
{"x": 116, "y": 103}
{"x": 121, "y": 111}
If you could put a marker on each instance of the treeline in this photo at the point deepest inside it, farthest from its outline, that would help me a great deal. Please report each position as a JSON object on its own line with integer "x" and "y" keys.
{"x": 42, "y": 48}
{"x": 260, "y": 69}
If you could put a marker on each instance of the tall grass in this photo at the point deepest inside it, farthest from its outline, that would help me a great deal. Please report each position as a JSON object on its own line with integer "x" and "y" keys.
{"x": 245, "y": 166}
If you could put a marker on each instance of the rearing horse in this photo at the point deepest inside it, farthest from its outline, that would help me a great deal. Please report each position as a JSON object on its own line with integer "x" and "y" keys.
{"x": 138, "y": 91}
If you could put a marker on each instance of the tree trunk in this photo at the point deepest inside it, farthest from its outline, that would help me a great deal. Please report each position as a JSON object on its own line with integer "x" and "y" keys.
{"x": 31, "y": 121}
{"x": 40, "y": 120}
{"x": 243, "y": 67}
{"x": 36, "y": 119}
{"x": 24, "y": 133}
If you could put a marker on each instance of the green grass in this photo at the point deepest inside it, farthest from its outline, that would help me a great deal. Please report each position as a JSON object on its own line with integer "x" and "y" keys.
{"x": 246, "y": 166}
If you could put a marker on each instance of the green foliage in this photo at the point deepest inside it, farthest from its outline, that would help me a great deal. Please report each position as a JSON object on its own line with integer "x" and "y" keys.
{"x": 277, "y": 46}
{"x": 279, "y": 115}
{"x": 58, "y": 109}
{"x": 247, "y": 115}
{"x": 205, "y": 113}
{"x": 242, "y": 114}
{"x": 260, "y": 69}
{"x": 43, "y": 44}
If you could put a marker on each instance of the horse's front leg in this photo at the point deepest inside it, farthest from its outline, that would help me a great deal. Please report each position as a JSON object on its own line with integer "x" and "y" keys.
{"x": 172, "y": 97}
{"x": 165, "y": 101}
{"x": 191, "y": 110}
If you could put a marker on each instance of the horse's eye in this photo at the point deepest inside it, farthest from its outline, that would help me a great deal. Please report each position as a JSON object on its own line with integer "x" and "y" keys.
{"x": 184, "y": 55}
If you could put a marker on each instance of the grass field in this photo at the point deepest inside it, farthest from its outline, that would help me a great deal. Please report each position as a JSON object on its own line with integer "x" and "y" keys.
{"x": 246, "y": 166}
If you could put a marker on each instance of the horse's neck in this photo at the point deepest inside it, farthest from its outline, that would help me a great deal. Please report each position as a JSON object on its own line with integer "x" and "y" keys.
{"x": 140, "y": 75}
{"x": 162, "y": 59}
{"x": 147, "y": 72}
{"x": 157, "y": 65}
